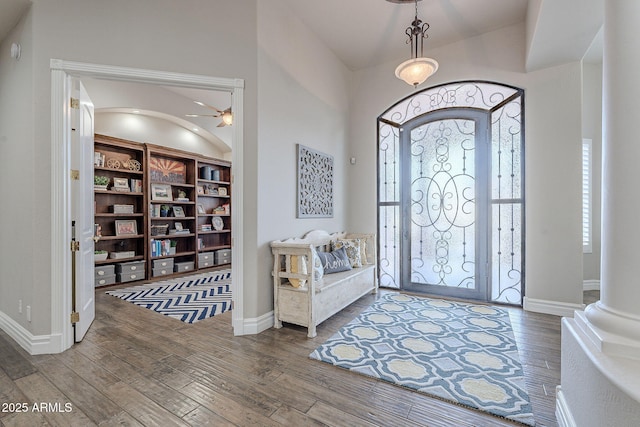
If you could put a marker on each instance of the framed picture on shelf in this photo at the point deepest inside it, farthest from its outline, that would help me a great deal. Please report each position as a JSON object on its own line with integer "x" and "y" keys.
{"x": 161, "y": 192}
{"x": 200, "y": 189}
{"x": 201, "y": 210}
{"x": 126, "y": 227}
{"x": 217, "y": 223}
{"x": 121, "y": 184}
{"x": 178, "y": 212}
{"x": 167, "y": 170}
{"x": 178, "y": 226}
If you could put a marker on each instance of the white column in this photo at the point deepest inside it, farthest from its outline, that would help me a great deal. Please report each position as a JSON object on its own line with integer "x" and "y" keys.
{"x": 617, "y": 314}
{"x": 601, "y": 346}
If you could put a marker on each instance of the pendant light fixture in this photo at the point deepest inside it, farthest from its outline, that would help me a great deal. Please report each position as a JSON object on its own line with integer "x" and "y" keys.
{"x": 417, "y": 69}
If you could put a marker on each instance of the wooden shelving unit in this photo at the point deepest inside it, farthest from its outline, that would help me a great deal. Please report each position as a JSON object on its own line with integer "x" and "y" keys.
{"x": 213, "y": 205}
{"x": 114, "y": 163}
{"x": 172, "y": 204}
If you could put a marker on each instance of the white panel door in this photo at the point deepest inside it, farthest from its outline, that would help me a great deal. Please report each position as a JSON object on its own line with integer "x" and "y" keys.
{"x": 82, "y": 209}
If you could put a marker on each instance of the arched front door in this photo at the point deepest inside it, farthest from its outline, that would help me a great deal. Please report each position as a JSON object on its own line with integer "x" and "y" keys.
{"x": 451, "y": 196}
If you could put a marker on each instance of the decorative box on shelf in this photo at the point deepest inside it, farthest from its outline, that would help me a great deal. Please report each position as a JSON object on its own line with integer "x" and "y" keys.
{"x": 159, "y": 230}
{"x": 183, "y": 266}
{"x": 122, "y": 254}
{"x": 223, "y": 256}
{"x": 205, "y": 259}
{"x": 105, "y": 280}
{"x": 105, "y": 270}
{"x": 122, "y": 209}
{"x": 130, "y": 271}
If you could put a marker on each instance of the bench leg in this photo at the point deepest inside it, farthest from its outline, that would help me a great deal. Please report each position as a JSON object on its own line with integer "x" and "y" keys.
{"x": 277, "y": 324}
{"x": 312, "y": 331}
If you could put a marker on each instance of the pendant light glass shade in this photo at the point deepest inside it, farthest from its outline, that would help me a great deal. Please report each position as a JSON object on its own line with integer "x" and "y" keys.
{"x": 416, "y": 70}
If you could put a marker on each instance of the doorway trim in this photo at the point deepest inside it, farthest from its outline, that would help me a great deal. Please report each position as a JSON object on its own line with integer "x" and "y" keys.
{"x": 61, "y": 73}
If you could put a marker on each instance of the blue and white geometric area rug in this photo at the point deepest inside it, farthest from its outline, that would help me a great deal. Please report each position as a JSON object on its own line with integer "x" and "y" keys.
{"x": 189, "y": 299}
{"x": 463, "y": 353}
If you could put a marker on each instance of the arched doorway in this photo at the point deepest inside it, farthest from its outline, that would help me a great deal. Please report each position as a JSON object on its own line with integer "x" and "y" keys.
{"x": 451, "y": 192}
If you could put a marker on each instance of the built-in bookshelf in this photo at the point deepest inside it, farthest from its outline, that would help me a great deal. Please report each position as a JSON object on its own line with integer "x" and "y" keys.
{"x": 174, "y": 217}
{"x": 119, "y": 201}
{"x": 213, "y": 205}
{"x": 172, "y": 209}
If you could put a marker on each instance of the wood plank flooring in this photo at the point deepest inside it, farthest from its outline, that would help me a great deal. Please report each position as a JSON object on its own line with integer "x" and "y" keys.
{"x": 136, "y": 367}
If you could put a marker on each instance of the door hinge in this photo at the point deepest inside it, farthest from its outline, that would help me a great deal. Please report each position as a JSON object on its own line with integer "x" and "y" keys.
{"x": 75, "y": 246}
{"x": 75, "y": 103}
{"x": 75, "y": 174}
{"x": 75, "y": 317}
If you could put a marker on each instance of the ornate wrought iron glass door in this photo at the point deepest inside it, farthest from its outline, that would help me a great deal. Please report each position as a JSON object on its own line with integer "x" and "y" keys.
{"x": 444, "y": 203}
{"x": 451, "y": 192}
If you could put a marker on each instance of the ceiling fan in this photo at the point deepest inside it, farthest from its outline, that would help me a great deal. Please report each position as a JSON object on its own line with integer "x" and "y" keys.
{"x": 227, "y": 117}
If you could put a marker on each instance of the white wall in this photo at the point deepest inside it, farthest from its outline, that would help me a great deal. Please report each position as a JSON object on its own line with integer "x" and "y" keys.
{"x": 303, "y": 99}
{"x": 19, "y": 208}
{"x": 592, "y": 129}
{"x": 153, "y": 130}
{"x": 552, "y": 152}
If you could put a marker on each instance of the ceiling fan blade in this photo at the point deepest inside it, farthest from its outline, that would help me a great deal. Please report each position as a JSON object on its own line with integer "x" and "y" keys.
{"x": 202, "y": 104}
{"x": 202, "y": 115}
{"x": 221, "y": 125}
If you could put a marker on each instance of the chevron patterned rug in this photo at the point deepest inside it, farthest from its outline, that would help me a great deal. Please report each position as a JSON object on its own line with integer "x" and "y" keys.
{"x": 464, "y": 353}
{"x": 189, "y": 299}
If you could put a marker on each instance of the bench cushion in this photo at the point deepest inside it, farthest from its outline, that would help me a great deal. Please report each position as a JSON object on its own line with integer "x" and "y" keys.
{"x": 331, "y": 280}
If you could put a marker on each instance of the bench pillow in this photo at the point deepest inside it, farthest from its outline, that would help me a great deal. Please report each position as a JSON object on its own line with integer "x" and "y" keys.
{"x": 298, "y": 265}
{"x": 318, "y": 270}
{"x": 353, "y": 248}
{"x": 334, "y": 262}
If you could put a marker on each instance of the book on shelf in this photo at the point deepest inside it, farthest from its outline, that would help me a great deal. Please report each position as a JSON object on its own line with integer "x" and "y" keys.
{"x": 205, "y": 227}
{"x": 162, "y": 247}
{"x": 136, "y": 185}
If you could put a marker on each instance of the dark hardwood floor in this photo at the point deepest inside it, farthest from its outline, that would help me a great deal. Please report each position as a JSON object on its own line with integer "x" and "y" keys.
{"x": 136, "y": 367}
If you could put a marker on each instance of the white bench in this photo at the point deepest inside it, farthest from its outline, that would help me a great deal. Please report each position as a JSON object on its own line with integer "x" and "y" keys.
{"x": 318, "y": 299}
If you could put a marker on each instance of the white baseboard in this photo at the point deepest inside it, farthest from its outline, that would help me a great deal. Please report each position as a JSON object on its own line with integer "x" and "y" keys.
{"x": 32, "y": 344}
{"x": 591, "y": 285}
{"x": 256, "y": 325}
{"x": 563, "y": 413}
{"x": 551, "y": 307}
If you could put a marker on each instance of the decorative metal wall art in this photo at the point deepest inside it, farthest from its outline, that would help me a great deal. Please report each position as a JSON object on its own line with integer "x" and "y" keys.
{"x": 315, "y": 183}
